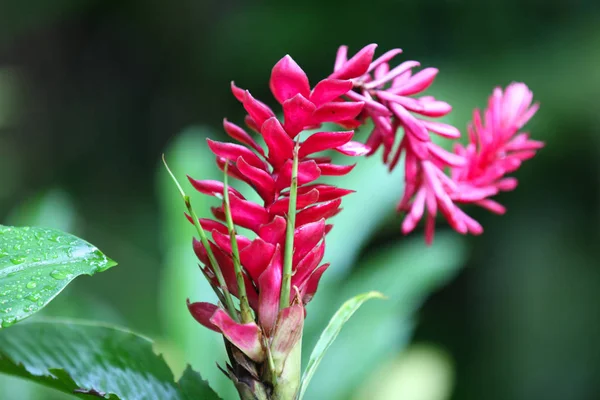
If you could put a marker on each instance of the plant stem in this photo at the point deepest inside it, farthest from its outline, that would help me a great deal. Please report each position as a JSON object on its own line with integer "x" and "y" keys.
{"x": 235, "y": 255}
{"x": 206, "y": 244}
{"x": 284, "y": 300}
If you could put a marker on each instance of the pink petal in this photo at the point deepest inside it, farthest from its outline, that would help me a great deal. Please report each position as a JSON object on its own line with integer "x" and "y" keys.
{"x": 256, "y": 257}
{"x": 245, "y": 337}
{"x": 260, "y": 180}
{"x": 273, "y": 232}
{"x": 281, "y": 206}
{"x": 288, "y": 332}
{"x": 202, "y": 312}
{"x": 238, "y": 92}
{"x": 444, "y": 130}
{"x": 231, "y": 170}
{"x": 357, "y": 65}
{"x": 315, "y": 213}
{"x": 492, "y": 206}
{"x": 341, "y": 57}
{"x": 288, "y": 80}
{"x": 269, "y": 288}
{"x": 231, "y": 152}
{"x": 387, "y": 56}
{"x": 447, "y": 158}
{"x": 417, "y": 83}
{"x": 337, "y": 111}
{"x": 297, "y": 114}
{"x": 308, "y": 171}
{"x": 414, "y": 126}
{"x": 399, "y": 70}
{"x": 241, "y": 136}
{"x": 279, "y": 143}
{"x": 324, "y": 141}
{"x": 353, "y": 149}
{"x": 257, "y": 110}
{"x": 328, "y": 90}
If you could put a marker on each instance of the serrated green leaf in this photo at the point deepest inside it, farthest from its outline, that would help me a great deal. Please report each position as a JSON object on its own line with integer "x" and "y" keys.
{"x": 86, "y": 359}
{"x": 36, "y": 264}
{"x": 330, "y": 333}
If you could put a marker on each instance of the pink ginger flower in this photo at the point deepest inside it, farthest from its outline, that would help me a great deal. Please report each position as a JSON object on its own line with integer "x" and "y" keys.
{"x": 475, "y": 171}
{"x": 268, "y": 170}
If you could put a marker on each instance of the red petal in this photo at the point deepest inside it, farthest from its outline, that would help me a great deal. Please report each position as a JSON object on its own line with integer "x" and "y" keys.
{"x": 280, "y": 145}
{"x": 281, "y": 206}
{"x": 255, "y": 257}
{"x": 273, "y": 232}
{"x": 315, "y": 213}
{"x": 209, "y": 224}
{"x": 202, "y": 312}
{"x": 357, "y": 65}
{"x": 212, "y": 187}
{"x": 245, "y": 337}
{"x": 326, "y": 192}
{"x": 231, "y": 170}
{"x": 297, "y": 114}
{"x": 308, "y": 264}
{"x": 308, "y": 171}
{"x": 223, "y": 240}
{"x": 259, "y": 179}
{"x": 257, "y": 110}
{"x": 335, "y": 170}
{"x": 248, "y": 214}
{"x": 328, "y": 90}
{"x": 324, "y": 141}
{"x": 269, "y": 288}
{"x": 312, "y": 284}
{"x": 230, "y": 151}
{"x": 288, "y": 80}
{"x": 306, "y": 238}
{"x": 353, "y": 149}
{"x": 241, "y": 136}
{"x": 337, "y": 111}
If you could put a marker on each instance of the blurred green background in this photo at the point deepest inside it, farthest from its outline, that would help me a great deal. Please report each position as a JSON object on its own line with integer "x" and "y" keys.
{"x": 92, "y": 92}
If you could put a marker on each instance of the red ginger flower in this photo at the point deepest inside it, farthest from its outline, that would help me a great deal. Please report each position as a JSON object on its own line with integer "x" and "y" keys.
{"x": 269, "y": 172}
{"x": 475, "y": 171}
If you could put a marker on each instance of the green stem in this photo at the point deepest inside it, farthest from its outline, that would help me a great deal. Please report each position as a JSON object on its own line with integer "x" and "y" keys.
{"x": 203, "y": 238}
{"x": 284, "y": 300}
{"x": 235, "y": 254}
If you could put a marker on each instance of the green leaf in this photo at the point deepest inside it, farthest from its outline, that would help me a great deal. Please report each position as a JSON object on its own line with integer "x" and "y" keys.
{"x": 330, "y": 333}
{"x": 36, "y": 264}
{"x": 91, "y": 359}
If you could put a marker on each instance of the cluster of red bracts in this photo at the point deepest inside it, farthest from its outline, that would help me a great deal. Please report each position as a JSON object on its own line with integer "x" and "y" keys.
{"x": 476, "y": 171}
{"x": 269, "y": 172}
{"x": 360, "y": 88}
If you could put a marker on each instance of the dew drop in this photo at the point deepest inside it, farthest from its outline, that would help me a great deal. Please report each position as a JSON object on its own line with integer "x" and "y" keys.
{"x": 58, "y": 275}
{"x": 31, "y": 285}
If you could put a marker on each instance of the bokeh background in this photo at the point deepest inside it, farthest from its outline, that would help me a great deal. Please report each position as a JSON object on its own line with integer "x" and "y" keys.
{"x": 92, "y": 92}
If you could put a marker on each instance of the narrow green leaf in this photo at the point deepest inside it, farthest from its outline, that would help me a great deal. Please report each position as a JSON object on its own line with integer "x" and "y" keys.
{"x": 36, "y": 264}
{"x": 330, "y": 333}
{"x": 86, "y": 359}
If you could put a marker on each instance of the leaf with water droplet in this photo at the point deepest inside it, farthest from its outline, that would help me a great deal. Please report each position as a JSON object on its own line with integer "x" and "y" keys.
{"x": 37, "y": 263}
{"x": 84, "y": 358}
